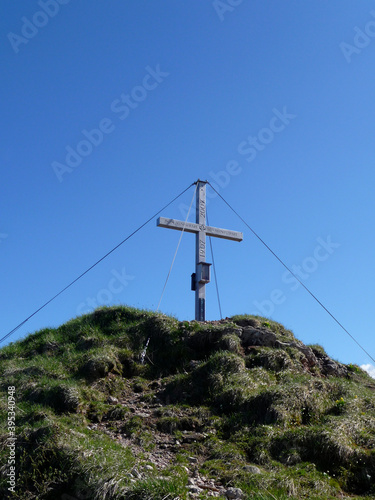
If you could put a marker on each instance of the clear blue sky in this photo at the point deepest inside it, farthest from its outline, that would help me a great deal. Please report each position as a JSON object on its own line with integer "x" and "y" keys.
{"x": 110, "y": 109}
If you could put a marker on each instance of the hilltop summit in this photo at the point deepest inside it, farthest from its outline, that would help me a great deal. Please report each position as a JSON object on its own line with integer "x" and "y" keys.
{"x": 236, "y": 408}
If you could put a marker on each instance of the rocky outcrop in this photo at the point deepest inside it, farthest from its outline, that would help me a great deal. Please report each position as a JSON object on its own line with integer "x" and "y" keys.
{"x": 261, "y": 336}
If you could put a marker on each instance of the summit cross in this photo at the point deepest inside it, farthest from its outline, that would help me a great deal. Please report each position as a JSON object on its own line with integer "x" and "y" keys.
{"x": 202, "y": 269}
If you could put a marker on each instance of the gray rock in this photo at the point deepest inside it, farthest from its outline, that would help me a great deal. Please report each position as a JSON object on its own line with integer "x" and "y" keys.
{"x": 248, "y": 322}
{"x": 193, "y": 489}
{"x": 232, "y": 331}
{"x": 192, "y": 437}
{"x": 234, "y": 493}
{"x": 330, "y": 367}
{"x": 252, "y": 469}
{"x": 258, "y": 336}
{"x": 306, "y": 351}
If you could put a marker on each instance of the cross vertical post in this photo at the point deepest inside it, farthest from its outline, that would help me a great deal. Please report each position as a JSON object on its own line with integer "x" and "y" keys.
{"x": 202, "y": 269}
{"x": 200, "y": 251}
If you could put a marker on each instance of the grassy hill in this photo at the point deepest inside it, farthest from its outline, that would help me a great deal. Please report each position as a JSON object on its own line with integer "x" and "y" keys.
{"x": 237, "y": 408}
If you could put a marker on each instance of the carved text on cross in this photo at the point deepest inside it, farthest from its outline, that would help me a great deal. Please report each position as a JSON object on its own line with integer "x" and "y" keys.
{"x": 191, "y": 227}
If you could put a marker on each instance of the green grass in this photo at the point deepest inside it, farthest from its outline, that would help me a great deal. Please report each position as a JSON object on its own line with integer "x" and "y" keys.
{"x": 311, "y": 435}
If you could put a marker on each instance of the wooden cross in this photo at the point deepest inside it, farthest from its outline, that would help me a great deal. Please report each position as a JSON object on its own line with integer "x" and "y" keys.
{"x": 202, "y": 270}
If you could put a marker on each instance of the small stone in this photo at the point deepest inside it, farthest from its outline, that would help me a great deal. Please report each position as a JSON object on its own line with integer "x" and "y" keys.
{"x": 192, "y": 437}
{"x": 234, "y": 493}
{"x": 112, "y": 401}
{"x": 252, "y": 469}
{"x": 193, "y": 489}
{"x": 149, "y": 467}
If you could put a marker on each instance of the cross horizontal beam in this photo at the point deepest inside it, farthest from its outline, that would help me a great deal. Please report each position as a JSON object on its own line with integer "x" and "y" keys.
{"x": 191, "y": 227}
{"x": 201, "y": 275}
